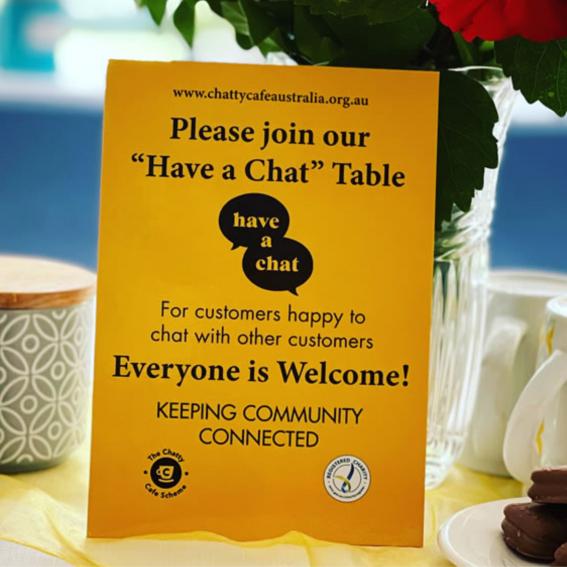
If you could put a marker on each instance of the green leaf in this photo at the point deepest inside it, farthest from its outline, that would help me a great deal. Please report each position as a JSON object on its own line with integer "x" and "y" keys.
{"x": 260, "y": 24}
{"x": 184, "y": 19}
{"x": 539, "y": 70}
{"x": 466, "y": 50}
{"x": 156, "y": 9}
{"x": 394, "y": 44}
{"x": 375, "y": 11}
{"x": 235, "y": 14}
{"x": 253, "y": 22}
{"x": 466, "y": 145}
{"x": 278, "y": 25}
{"x": 314, "y": 38}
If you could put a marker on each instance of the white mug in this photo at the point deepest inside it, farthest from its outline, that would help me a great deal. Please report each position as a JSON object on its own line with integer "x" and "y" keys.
{"x": 536, "y": 435}
{"x": 516, "y": 311}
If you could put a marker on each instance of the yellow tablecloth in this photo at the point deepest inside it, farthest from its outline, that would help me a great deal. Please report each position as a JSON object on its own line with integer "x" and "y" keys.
{"x": 46, "y": 510}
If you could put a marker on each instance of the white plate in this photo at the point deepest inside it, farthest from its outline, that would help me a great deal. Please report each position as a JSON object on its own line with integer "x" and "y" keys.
{"x": 473, "y": 537}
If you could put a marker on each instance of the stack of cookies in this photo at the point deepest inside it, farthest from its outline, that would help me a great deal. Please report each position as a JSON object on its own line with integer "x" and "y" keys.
{"x": 537, "y": 530}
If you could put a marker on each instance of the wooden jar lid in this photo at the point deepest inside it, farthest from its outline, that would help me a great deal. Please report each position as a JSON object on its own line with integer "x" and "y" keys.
{"x": 37, "y": 283}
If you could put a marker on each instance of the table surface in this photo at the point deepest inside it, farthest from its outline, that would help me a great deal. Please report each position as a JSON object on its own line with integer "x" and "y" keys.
{"x": 15, "y": 555}
{"x": 46, "y": 510}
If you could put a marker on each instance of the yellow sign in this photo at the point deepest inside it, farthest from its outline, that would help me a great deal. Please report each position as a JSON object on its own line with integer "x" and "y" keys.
{"x": 266, "y": 245}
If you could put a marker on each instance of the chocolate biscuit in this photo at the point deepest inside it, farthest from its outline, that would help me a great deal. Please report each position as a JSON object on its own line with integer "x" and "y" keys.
{"x": 549, "y": 486}
{"x": 535, "y": 530}
{"x": 561, "y": 555}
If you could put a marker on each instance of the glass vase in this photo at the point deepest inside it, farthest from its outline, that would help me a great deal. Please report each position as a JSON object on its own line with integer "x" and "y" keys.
{"x": 459, "y": 304}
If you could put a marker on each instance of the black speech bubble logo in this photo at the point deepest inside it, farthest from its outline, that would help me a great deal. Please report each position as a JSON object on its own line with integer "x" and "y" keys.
{"x": 283, "y": 267}
{"x": 247, "y": 218}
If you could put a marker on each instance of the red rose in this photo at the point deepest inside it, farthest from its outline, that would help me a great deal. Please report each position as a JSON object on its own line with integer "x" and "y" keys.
{"x": 537, "y": 20}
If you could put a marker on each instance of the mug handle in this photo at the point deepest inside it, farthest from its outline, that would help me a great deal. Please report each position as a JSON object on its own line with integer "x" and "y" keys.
{"x": 483, "y": 447}
{"x": 520, "y": 453}
{"x": 501, "y": 351}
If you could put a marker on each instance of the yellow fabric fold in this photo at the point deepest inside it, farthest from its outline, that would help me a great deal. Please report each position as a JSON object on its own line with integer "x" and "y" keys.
{"x": 47, "y": 510}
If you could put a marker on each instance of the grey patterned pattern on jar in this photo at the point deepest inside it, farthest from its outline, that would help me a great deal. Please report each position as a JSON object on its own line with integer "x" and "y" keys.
{"x": 45, "y": 367}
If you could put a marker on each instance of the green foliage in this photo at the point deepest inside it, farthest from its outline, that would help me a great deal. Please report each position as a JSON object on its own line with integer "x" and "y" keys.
{"x": 184, "y": 19}
{"x": 390, "y": 45}
{"x": 466, "y": 145}
{"x": 156, "y": 9}
{"x": 314, "y": 39}
{"x": 403, "y": 34}
{"x": 375, "y": 11}
{"x": 255, "y": 22}
{"x": 539, "y": 70}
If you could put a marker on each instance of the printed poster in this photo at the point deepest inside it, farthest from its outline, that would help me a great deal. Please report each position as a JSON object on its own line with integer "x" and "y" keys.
{"x": 265, "y": 267}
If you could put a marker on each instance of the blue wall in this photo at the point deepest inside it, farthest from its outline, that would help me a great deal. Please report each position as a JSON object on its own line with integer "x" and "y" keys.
{"x": 49, "y": 177}
{"x": 49, "y": 183}
{"x": 530, "y": 224}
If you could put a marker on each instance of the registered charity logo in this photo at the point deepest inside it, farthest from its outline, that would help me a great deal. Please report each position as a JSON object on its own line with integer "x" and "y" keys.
{"x": 347, "y": 478}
